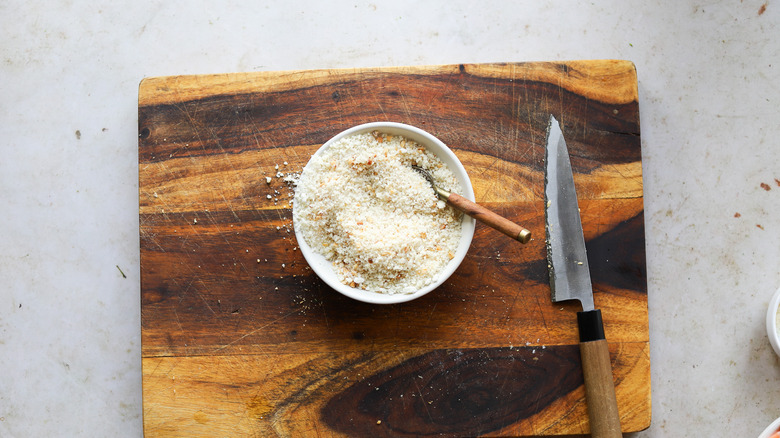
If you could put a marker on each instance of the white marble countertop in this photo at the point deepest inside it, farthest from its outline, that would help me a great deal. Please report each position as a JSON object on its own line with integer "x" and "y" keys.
{"x": 69, "y": 259}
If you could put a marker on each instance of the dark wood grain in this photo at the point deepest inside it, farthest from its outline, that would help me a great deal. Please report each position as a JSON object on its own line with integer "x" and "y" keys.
{"x": 239, "y": 337}
{"x": 456, "y": 392}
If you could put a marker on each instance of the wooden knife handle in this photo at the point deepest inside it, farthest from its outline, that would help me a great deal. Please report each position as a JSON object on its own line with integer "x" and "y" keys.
{"x": 489, "y": 218}
{"x": 597, "y": 370}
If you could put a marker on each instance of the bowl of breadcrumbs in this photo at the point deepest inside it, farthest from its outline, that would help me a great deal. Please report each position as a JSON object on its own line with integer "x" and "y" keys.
{"x": 371, "y": 226}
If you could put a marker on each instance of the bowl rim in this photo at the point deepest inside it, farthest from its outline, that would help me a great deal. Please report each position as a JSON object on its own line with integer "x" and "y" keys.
{"x": 771, "y": 322}
{"x": 772, "y": 428}
{"x": 324, "y": 268}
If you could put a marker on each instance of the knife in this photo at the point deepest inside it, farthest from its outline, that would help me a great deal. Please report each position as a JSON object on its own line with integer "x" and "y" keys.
{"x": 567, "y": 262}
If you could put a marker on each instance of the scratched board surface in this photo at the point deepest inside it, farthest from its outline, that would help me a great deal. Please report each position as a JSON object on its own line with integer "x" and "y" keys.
{"x": 240, "y": 338}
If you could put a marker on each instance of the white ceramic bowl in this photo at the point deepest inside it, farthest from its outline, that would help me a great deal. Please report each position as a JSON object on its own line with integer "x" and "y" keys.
{"x": 774, "y": 427}
{"x": 771, "y": 322}
{"x": 324, "y": 269}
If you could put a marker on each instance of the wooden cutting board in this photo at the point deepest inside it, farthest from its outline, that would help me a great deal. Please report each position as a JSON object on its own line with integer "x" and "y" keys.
{"x": 240, "y": 338}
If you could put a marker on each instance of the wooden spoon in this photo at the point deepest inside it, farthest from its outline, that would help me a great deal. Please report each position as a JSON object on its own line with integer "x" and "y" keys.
{"x": 477, "y": 211}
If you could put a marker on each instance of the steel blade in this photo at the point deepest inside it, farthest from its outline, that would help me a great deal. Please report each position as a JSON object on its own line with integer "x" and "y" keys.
{"x": 567, "y": 259}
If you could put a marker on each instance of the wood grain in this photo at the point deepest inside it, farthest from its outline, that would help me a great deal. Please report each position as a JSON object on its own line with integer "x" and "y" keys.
{"x": 240, "y": 338}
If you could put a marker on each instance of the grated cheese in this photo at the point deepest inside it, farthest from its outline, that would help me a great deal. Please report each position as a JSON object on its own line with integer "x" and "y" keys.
{"x": 361, "y": 205}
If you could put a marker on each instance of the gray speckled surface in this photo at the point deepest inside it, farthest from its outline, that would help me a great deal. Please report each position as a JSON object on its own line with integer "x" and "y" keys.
{"x": 69, "y": 265}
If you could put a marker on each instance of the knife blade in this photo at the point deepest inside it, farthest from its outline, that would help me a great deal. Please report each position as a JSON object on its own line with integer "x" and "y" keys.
{"x": 567, "y": 262}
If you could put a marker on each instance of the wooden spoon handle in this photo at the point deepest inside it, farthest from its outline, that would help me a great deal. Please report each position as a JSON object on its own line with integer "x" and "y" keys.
{"x": 489, "y": 218}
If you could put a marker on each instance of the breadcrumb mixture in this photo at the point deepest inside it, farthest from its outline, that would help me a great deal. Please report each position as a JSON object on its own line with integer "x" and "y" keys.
{"x": 362, "y": 206}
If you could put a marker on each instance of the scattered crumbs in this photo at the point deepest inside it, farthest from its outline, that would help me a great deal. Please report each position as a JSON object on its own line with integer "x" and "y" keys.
{"x": 378, "y": 421}
{"x": 276, "y": 288}
{"x": 762, "y": 9}
{"x": 766, "y": 186}
{"x": 760, "y": 226}
{"x": 276, "y": 167}
{"x": 283, "y": 265}
{"x": 268, "y": 180}
{"x": 737, "y": 214}
{"x": 247, "y": 250}
{"x": 78, "y": 135}
{"x": 154, "y": 194}
{"x": 268, "y": 196}
{"x": 195, "y": 221}
{"x": 777, "y": 181}
{"x": 285, "y": 163}
{"x": 258, "y": 260}
{"x": 536, "y": 357}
